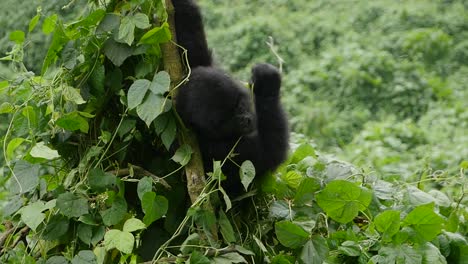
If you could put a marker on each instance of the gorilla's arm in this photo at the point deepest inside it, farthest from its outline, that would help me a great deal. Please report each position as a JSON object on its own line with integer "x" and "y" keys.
{"x": 272, "y": 127}
{"x": 190, "y": 32}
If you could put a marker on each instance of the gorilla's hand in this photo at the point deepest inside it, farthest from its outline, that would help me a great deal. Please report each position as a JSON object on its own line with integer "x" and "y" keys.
{"x": 266, "y": 80}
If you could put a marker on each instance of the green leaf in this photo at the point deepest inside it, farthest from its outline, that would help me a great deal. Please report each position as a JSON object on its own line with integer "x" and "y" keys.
{"x": 17, "y": 36}
{"x": 117, "y": 52}
{"x": 72, "y": 122}
{"x": 464, "y": 164}
{"x": 116, "y": 213}
{"x": 145, "y": 185}
{"x": 33, "y": 22}
{"x": 101, "y": 181}
{"x": 84, "y": 257}
{"x": 198, "y": 258}
{"x": 55, "y": 228}
{"x": 388, "y": 223}
{"x": 453, "y": 222}
{"x": 350, "y": 248}
{"x": 157, "y": 35}
{"x": 247, "y": 173}
{"x": 3, "y": 86}
{"x": 72, "y": 95}
{"x": 425, "y": 221}
{"x": 303, "y": 151}
{"x": 126, "y": 30}
{"x": 49, "y": 24}
{"x": 306, "y": 190}
{"x": 400, "y": 254}
{"x": 59, "y": 40}
{"x": 292, "y": 179}
{"x": 108, "y": 23}
{"x": 27, "y": 177}
{"x": 137, "y": 92}
{"x": 72, "y": 205}
{"x": 290, "y": 235}
{"x": 229, "y": 258}
{"x": 284, "y": 259}
{"x": 280, "y": 210}
{"x": 40, "y": 150}
{"x": 432, "y": 254}
{"x": 154, "y": 207}
{"x": 14, "y": 204}
{"x": 133, "y": 224}
{"x": 161, "y": 83}
{"x": 32, "y": 214}
{"x": 12, "y": 146}
{"x": 315, "y": 250}
{"x": 31, "y": 114}
{"x": 342, "y": 200}
{"x": 122, "y": 241}
{"x": 161, "y": 123}
{"x": 97, "y": 80}
{"x": 141, "y": 20}
{"x": 6, "y": 108}
{"x": 90, "y": 20}
{"x": 226, "y": 228}
{"x": 169, "y": 133}
{"x": 190, "y": 243}
{"x": 418, "y": 197}
{"x": 57, "y": 260}
{"x": 85, "y": 233}
{"x": 151, "y": 107}
{"x": 183, "y": 155}
{"x": 90, "y": 234}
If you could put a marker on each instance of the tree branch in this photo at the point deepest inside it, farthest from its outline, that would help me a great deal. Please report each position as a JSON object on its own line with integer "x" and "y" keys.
{"x": 172, "y": 64}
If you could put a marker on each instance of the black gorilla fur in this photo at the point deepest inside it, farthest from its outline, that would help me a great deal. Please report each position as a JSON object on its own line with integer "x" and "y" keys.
{"x": 219, "y": 109}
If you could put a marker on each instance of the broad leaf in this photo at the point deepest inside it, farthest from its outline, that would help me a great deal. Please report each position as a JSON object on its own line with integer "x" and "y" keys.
{"x": 161, "y": 83}
{"x": 152, "y": 106}
{"x": 154, "y": 207}
{"x": 25, "y": 179}
{"x": 157, "y": 35}
{"x": 84, "y": 257}
{"x": 183, "y": 155}
{"x": 101, "y": 181}
{"x": 315, "y": 250}
{"x": 388, "y": 223}
{"x": 32, "y": 214}
{"x": 123, "y": 241}
{"x": 117, "y": 52}
{"x": 290, "y": 235}
{"x": 226, "y": 228}
{"x": 49, "y": 24}
{"x": 133, "y": 224}
{"x": 72, "y": 205}
{"x": 425, "y": 221}
{"x": 40, "y": 150}
{"x": 116, "y": 213}
{"x": 141, "y": 20}
{"x": 55, "y": 228}
{"x": 247, "y": 173}
{"x": 17, "y": 36}
{"x": 72, "y": 122}
{"x": 342, "y": 200}
{"x": 137, "y": 92}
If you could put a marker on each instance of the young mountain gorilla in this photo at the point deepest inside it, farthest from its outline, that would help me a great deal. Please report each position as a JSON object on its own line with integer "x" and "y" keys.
{"x": 219, "y": 109}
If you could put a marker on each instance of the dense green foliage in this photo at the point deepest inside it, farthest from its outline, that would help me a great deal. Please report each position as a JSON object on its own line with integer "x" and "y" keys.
{"x": 88, "y": 128}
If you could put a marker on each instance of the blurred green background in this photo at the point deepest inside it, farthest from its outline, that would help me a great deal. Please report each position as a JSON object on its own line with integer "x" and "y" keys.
{"x": 382, "y": 84}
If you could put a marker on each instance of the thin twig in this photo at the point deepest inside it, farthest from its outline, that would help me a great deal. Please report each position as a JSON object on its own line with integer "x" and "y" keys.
{"x": 139, "y": 171}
